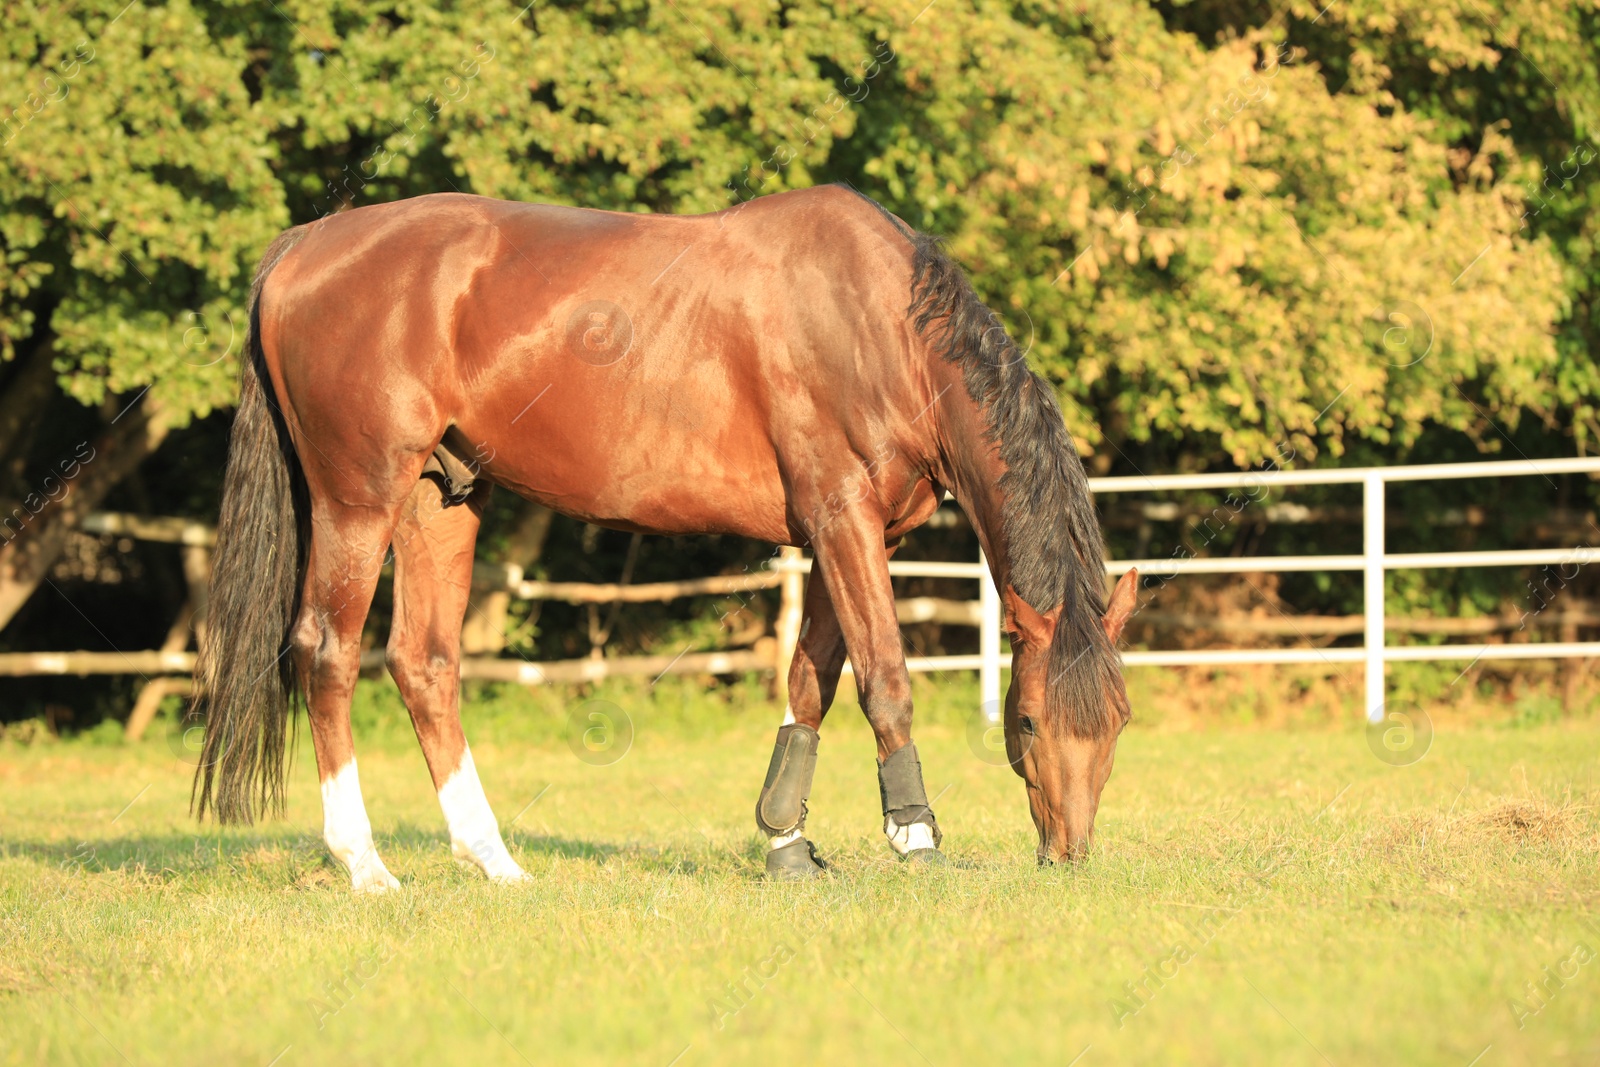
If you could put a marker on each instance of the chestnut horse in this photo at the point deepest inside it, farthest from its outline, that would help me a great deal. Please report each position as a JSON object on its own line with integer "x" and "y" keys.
{"x": 803, "y": 369}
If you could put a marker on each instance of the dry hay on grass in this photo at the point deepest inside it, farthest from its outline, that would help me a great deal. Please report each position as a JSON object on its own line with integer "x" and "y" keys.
{"x": 1515, "y": 820}
{"x": 1535, "y": 819}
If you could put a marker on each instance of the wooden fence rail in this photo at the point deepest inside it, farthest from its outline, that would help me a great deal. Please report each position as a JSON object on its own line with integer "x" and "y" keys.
{"x": 510, "y": 579}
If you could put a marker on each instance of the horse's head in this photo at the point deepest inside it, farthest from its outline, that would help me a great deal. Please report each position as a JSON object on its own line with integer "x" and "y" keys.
{"x": 1064, "y": 712}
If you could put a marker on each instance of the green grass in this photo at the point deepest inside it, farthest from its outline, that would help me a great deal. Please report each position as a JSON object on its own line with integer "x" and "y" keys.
{"x": 1310, "y": 904}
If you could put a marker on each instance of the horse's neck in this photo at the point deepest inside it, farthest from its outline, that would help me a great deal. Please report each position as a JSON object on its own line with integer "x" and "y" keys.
{"x": 971, "y": 473}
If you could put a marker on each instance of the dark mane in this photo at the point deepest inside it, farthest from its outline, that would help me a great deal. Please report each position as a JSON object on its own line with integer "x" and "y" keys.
{"x": 1051, "y": 530}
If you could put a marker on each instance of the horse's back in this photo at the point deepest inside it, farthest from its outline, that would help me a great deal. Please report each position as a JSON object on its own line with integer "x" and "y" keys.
{"x": 627, "y": 369}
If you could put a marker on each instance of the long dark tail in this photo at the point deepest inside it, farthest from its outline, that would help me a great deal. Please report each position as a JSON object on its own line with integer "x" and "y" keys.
{"x": 245, "y": 680}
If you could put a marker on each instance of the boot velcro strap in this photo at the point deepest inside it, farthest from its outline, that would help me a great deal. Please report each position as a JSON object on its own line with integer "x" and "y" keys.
{"x": 917, "y": 813}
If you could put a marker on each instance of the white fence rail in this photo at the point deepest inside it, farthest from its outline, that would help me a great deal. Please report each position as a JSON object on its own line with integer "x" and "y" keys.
{"x": 1373, "y": 562}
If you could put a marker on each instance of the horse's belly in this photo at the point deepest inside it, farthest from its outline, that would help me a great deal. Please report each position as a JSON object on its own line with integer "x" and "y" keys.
{"x": 664, "y": 486}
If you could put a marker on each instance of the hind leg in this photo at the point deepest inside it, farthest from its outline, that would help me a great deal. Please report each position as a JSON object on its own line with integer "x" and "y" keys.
{"x": 348, "y": 544}
{"x": 433, "y": 551}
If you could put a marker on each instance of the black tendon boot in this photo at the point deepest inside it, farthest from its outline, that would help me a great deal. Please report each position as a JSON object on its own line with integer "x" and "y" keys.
{"x": 781, "y": 811}
{"x": 908, "y": 821}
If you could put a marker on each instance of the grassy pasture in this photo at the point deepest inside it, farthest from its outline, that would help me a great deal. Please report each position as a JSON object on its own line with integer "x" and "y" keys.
{"x": 1255, "y": 896}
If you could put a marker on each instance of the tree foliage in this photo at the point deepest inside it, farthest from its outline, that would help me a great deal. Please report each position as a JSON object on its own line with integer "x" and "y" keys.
{"x": 1235, "y": 231}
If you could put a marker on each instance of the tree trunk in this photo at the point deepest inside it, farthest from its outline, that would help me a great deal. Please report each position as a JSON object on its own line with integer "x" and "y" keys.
{"x": 24, "y": 397}
{"x": 33, "y": 534}
{"x": 485, "y": 627}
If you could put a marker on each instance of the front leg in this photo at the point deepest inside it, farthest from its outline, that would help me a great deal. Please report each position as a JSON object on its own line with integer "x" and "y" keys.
{"x": 855, "y": 570}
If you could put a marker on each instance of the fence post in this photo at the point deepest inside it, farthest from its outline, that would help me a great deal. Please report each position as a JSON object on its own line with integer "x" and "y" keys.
{"x": 1372, "y": 500}
{"x": 988, "y": 638}
{"x": 790, "y": 609}
{"x": 191, "y": 620}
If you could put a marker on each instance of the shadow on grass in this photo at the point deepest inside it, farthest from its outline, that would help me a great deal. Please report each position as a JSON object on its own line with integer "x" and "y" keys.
{"x": 179, "y": 854}
{"x": 299, "y": 857}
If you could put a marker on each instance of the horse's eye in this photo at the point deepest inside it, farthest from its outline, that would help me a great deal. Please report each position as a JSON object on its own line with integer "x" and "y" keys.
{"x": 1026, "y": 724}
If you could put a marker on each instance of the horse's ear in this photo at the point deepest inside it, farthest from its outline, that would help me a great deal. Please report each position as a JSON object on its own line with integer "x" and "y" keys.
{"x": 1123, "y": 600}
{"x": 1024, "y": 622}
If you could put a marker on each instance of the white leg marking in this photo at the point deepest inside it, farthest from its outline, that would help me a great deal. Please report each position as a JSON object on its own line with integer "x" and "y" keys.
{"x": 904, "y": 839}
{"x": 348, "y": 832}
{"x": 786, "y": 839}
{"x": 788, "y": 715}
{"x": 474, "y": 834}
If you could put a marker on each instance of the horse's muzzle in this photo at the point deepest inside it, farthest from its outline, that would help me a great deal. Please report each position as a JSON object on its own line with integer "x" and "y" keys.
{"x": 1076, "y": 852}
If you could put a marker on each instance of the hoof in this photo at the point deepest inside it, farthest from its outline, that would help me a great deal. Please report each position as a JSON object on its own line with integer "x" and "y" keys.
{"x": 501, "y": 870}
{"x": 489, "y": 859}
{"x": 794, "y": 862}
{"x": 926, "y": 857}
{"x": 382, "y": 882}
{"x": 507, "y": 873}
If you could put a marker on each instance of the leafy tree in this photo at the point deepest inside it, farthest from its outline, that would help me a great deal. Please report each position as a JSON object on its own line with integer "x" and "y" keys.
{"x": 1226, "y": 235}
